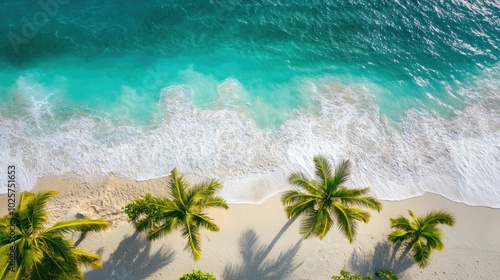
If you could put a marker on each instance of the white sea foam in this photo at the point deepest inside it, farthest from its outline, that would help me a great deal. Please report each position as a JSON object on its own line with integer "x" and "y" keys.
{"x": 458, "y": 158}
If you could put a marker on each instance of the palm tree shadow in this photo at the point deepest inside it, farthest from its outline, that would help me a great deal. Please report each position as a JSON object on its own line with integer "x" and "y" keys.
{"x": 384, "y": 257}
{"x": 256, "y": 266}
{"x": 132, "y": 259}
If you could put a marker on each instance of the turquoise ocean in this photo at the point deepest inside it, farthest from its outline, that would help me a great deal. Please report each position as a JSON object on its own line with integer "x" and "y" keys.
{"x": 249, "y": 91}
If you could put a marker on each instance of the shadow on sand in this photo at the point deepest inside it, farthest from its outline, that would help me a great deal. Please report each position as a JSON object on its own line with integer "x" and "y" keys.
{"x": 132, "y": 259}
{"x": 255, "y": 262}
{"x": 384, "y": 257}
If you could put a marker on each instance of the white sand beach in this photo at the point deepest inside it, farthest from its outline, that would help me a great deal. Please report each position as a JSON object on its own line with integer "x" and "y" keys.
{"x": 258, "y": 242}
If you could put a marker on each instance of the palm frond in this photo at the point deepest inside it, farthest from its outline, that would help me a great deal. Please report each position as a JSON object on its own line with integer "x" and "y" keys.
{"x": 359, "y": 214}
{"x": 193, "y": 244}
{"x": 345, "y": 220}
{"x": 4, "y": 261}
{"x": 178, "y": 186}
{"x": 38, "y": 273}
{"x": 5, "y": 238}
{"x": 434, "y": 238}
{"x": 58, "y": 255}
{"x": 300, "y": 180}
{"x": 201, "y": 191}
{"x": 24, "y": 201}
{"x": 147, "y": 223}
{"x": 204, "y": 221}
{"x": 165, "y": 207}
{"x": 438, "y": 217}
{"x": 165, "y": 228}
{"x": 421, "y": 254}
{"x": 80, "y": 225}
{"x": 4, "y": 223}
{"x": 207, "y": 188}
{"x": 57, "y": 246}
{"x": 54, "y": 267}
{"x": 41, "y": 273}
{"x": 300, "y": 207}
{"x": 150, "y": 200}
{"x": 30, "y": 255}
{"x": 5, "y": 268}
{"x": 353, "y": 197}
{"x": 88, "y": 259}
{"x": 31, "y": 210}
{"x": 309, "y": 224}
{"x": 401, "y": 223}
{"x": 217, "y": 202}
{"x": 342, "y": 173}
{"x": 325, "y": 223}
{"x": 416, "y": 220}
{"x": 399, "y": 236}
{"x": 295, "y": 196}
{"x": 348, "y": 192}
{"x": 322, "y": 169}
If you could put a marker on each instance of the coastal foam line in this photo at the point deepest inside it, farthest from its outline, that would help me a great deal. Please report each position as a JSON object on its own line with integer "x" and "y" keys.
{"x": 457, "y": 157}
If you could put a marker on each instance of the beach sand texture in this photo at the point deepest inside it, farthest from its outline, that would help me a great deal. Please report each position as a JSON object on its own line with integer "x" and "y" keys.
{"x": 258, "y": 242}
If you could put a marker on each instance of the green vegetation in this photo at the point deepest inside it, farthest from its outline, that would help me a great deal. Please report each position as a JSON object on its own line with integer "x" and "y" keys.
{"x": 421, "y": 235}
{"x": 183, "y": 209}
{"x": 388, "y": 275}
{"x": 197, "y": 275}
{"x": 324, "y": 200}
{"x": 346, "y": 275}
{"x": 43, "y": 253}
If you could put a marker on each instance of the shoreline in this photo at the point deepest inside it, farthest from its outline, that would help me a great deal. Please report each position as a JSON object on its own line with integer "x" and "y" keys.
{"x": 256, "y": 241}
{"x": 422, "y": 153}
{"x": 45, "y": 182}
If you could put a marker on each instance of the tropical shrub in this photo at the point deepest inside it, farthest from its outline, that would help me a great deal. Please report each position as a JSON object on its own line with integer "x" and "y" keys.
{"x": 346, "y": 275}
{"x": 197, "y": 275}
{"x": 183, "y": 208}
{"x": 388, "y": 275}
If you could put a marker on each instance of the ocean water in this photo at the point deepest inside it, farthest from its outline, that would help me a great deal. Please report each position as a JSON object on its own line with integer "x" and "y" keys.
{"x": 249, "y": 91}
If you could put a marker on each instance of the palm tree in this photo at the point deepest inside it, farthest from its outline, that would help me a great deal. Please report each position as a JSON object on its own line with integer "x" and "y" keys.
{"x": 421, "y": 235}
{"x": 39, "y": 252}
{"x": 326, "y": 199}
{"x": 183, "y": 209}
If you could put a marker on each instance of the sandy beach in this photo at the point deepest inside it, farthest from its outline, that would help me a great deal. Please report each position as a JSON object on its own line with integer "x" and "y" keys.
{"x": 258, "y": 242}
{"x": 100, "y": 100}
